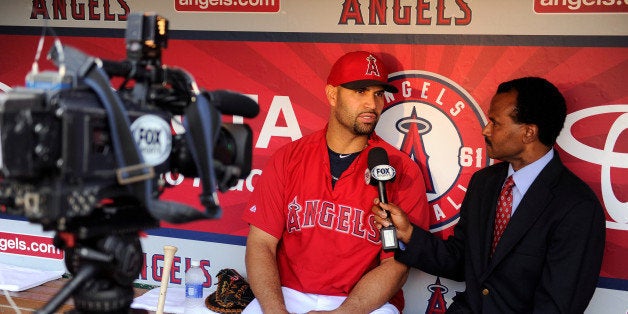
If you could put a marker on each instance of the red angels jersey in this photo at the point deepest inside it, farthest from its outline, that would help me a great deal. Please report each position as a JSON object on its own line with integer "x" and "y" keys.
{"x": 328, "y": 238}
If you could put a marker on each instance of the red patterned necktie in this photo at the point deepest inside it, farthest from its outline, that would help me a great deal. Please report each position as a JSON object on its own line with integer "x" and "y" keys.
{"x": 504, "y": 210}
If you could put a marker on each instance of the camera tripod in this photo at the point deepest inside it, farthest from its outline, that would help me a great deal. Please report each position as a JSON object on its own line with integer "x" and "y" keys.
{"x": 103, "y": 269}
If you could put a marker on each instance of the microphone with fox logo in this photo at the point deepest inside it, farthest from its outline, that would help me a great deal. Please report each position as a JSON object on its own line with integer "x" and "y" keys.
{"x": 382, "y": 172}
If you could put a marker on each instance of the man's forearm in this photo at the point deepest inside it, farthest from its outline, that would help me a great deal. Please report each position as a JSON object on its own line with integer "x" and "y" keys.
{"x": 376, "y": 287}
{"x": 264, "y": 279}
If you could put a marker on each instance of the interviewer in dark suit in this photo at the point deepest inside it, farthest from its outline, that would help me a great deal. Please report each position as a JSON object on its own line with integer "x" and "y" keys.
{"x": 549, "y": 256}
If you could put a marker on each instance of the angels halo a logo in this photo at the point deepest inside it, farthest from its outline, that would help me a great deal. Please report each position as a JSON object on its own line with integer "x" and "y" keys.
{"x": 439, "y": 125}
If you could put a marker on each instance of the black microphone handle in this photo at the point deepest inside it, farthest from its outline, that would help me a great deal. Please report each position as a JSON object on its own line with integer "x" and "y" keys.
{"x": 381, "y": 190}
{"x": 388, "y": 234}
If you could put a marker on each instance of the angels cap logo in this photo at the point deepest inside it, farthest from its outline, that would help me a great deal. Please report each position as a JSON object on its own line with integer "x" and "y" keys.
{"x": 359, "y": 69}
{"x": 439, "y": 125}
{"x": 371, "y": 67}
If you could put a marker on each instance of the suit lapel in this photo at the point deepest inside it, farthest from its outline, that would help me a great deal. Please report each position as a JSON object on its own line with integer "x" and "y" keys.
{"x": 491, "y": 188}
{"x": 530, "y": 208}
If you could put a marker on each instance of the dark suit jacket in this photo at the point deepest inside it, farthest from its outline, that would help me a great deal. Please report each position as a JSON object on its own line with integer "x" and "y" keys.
{"x": 548, "y": 259}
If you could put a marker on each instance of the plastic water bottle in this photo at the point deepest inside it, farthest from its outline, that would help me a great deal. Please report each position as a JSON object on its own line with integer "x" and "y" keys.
{"x": 194, "y": 279}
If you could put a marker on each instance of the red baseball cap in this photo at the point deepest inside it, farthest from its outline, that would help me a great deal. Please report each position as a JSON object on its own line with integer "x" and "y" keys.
{"x": 359, "y": 69}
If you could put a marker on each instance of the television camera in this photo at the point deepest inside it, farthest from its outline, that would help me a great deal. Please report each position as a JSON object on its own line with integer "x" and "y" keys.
{"x": 85, "y": 160}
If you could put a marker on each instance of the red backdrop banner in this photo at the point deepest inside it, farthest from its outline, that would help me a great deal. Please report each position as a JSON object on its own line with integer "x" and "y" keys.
{"x": 287, "y": 79}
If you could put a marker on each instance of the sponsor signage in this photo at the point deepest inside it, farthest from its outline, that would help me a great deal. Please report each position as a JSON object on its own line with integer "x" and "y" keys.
{"x": 257, "y": 6}
{"x": 603, "y": 163}
{"x": 581, "y": 6}
{"x": 29, "y": 245}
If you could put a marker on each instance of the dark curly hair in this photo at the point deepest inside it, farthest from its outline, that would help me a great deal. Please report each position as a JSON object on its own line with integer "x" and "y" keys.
{"x": 539, "y": 102}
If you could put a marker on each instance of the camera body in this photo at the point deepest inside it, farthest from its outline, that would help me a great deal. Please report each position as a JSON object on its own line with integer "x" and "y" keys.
{"x": 79, "y": 156}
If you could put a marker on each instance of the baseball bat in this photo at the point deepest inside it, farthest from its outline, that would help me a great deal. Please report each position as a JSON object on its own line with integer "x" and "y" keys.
{"x": 169, "y": 251}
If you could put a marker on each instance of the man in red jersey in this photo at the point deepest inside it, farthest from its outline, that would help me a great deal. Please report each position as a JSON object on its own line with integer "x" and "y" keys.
{"x": 313, "y": 245}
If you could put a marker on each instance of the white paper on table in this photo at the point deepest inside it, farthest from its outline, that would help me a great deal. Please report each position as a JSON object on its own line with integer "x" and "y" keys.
{"x": 15, "y": 278}
{"x": 175, "y": 300}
